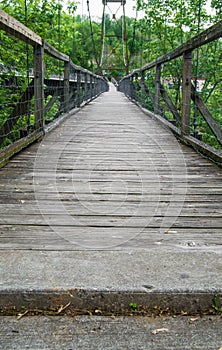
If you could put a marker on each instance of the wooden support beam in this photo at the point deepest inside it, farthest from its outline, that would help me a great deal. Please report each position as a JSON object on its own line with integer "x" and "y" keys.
{"x": 170, "y": 104}
{"x": 147, "y": 91}
{"x": 51, "y": 51}
{"x": 214, "y": 126}
{"x": 39, "y": 87}
{"x": 51, "y": 101}
{"x": 186, "y": 93}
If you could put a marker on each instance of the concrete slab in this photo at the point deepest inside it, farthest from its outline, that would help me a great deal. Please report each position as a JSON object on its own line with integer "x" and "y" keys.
{"x": 95, "y": 333}
{"x": 111, "y": 280}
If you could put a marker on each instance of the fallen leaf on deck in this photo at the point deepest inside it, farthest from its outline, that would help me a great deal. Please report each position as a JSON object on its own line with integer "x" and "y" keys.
{"x": 193, "y": 319}
{"x": 160, "y": 330}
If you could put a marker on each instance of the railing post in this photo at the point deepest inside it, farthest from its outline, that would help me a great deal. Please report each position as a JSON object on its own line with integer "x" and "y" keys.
{"x": 131, "y": 87}
{"x": 78, "y": 88}
{"x": 91, "y": 86}
{"x": 134, "y": 85}
{"x": 143, "y": 93}
{"x": 96, "y": 86}
{"x": 86, "y": 86}
{"x": 99, "y": 86}
{"x": 186, "y": 93}
{"x": 157, "y": 89}
{"x": 66, "y": 86}
{"x": 39, "y": 87}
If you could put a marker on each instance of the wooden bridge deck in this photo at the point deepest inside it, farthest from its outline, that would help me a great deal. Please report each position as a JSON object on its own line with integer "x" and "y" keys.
{"x": 110, "y": 177}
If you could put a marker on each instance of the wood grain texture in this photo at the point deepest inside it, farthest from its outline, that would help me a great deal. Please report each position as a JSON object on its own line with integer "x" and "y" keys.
{"x": 110, "y": 177}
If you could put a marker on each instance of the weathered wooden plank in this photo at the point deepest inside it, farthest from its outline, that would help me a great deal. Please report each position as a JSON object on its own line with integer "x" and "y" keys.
{"x": 51, "y": 101}
{"x": 112, "y": 221}
{"x": 18, "y": 196}
{"x": 95, "y": 208}
{"x": 50, "y": 50}
{"x": 18, "y": 30}
{"x": 170, "y": 104}
{"x": 129, "y": 188}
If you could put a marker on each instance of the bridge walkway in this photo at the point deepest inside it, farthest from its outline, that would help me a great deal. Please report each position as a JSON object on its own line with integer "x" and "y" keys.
{"x": 110, "y": 177}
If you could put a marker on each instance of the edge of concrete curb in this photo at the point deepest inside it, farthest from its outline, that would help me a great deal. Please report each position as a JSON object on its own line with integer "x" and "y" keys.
{"x": 112, "y": 301}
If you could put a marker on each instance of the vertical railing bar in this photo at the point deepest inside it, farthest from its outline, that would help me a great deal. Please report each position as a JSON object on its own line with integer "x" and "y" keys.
{"x": 186, "y": 93}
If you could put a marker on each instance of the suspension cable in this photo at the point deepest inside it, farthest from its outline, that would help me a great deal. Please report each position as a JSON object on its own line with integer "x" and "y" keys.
{"x": 196, "y": 71}
{"x": 59, "y": 25}
{"x": 27, "y": 66}
{"x": 103, "y": 36}
{"x": 92, "y": 35}
{"x": 123, "y": 38}
{"x": 134, "y": 35}
{"x": 59, "y": 36}
{"x": 125, "y": 48}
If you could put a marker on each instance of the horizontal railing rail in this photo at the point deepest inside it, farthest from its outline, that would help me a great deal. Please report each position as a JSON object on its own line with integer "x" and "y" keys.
{"x": 32, "y": 98}
{"x": 177, "y": 99}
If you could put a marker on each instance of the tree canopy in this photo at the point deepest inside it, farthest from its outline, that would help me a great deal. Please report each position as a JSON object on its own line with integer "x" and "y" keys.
{"x": 162, "y": 25}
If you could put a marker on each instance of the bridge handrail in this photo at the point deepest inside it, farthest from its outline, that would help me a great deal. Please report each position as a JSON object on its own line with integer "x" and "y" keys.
{"x": 71, "y": 93}
{"x": 135, "y": 82}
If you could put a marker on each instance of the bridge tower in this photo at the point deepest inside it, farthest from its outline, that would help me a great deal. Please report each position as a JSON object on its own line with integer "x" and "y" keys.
{"x": 110, "y": 56}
